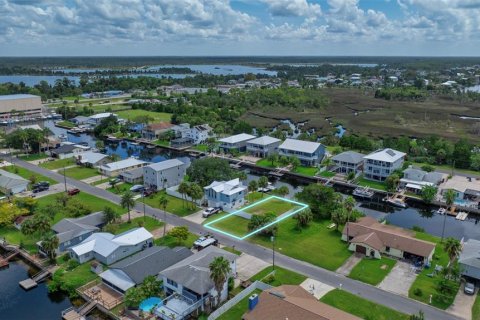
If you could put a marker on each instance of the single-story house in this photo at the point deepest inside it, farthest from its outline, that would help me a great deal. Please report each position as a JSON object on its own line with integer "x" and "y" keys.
{"x": 348, "y": 161}
{"x": 92, "y": 159}
{"x": 132, "y": 176}
{"x": 108, "y": 248}
{"x": 415, "y": 179}
{"x": 309, "y": 153}
{"x": 225, "y": 194}
{"x": 113, "y": 169}
{"x": 67, "y": 150}
{"x": 372, "y": 238}
{"x": 97, "y": 118}
{"x": 469, "y": 260}
{"x": 291, "y": 302}
{"x": 164, "y": 174}
{"x": 380, "y": 164}
{"x": 79, "y": 120}
{"x": 11, "y": 183}
{"x": 465, "y": 188}
{"x": 72, "y": 231}
{"x": 155, "y": 130}
{"x": 131, "y": 271}
{"x": 191, "y": 276}
{"x": 237, "y": 142}
{"x": 263, "y": 146}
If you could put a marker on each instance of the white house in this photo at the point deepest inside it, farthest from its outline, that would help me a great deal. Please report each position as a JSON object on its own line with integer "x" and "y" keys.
{"x": 97, "y": 118}
{"x": 309, "y": 153}
{"x": 113, "y": 169}
{"x": 68, "y": 150}
{"x": 225, "y": 194}
{"x": 382, "y": 163}
{"x": 11, "y": 183}
{"x": 164, "y": 174}
{"x": 108, "y": 248}
{"x": 415, "y": 179}
{"x": 92, "y": 159}
{"x": 263, "y": 146}
{"x": 465, "y": 188}
{"x": 237, "y": 142}
{"x": 348, "y": 161}
{"x": 199, "y": 134}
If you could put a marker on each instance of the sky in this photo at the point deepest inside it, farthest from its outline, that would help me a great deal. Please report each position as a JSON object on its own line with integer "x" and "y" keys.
{"x": 239, "y": 27}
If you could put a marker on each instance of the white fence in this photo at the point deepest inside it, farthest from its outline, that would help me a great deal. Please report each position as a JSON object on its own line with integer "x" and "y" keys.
{"x": 172, "y": 191}
{"x": 230, "y": 303}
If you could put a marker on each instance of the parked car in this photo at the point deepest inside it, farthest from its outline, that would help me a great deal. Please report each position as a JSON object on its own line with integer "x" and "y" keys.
{"x": 137, "y": 188}
{"x": 469, "y": 288}
{"x": 40, "y": 188}
{"x": 41, "y": 184}
{"x": 210, "y": 211}
{"x": 148, "y": 192}
{"x": 73, "y": 192}
{"x": 203, "y": 242}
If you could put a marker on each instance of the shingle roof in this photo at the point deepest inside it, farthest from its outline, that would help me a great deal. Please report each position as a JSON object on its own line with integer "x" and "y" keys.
{"x": 237, "y": 138}
{"x": 193, "y": 272}
{"x": 10, "y": 180}
{"x": 159, "y": 126}
{"x": 69, "y": 228}
{"x": 387, "y": 155}
{"x": 264, "y": 140}
{"x": 470, "y": 254}
{"x": 349, "y": 156}
{"x": 167, "y": 164}
{"x": 66, "y": 148}
{"x": 300, "y": 145}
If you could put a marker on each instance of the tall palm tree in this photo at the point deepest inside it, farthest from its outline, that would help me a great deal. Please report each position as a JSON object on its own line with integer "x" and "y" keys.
{"x": 349, "y": 204}
{"x": 219, "y": 272}
{"x": 163, "y": 202}
{"x": 252, "y": 187}
{"x": 452, "y": 247}
{"x": 449, "y": 196}
{"x": 183, "y": 188}
{"x": 50, "y": 244}
{"x": 127, "y": 202}
{"x": 195, "y": 192}
{"x": 263, "y": 183}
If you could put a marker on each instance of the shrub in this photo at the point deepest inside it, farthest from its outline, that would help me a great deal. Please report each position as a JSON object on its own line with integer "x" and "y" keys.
{"x": 72, "y": 264}
{"x": 418, "y": 229}
{"x": 418, "y": 292}
{"x": 269, "y": 279}
{"x": 231, "y": 284}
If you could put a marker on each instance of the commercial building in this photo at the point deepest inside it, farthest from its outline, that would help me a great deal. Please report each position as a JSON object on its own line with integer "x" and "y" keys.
{"x": 20, "y": 105}
{"x": 164, "y": 174}
{"x": 380, "y": 164}
{"x": 309, "y": 153}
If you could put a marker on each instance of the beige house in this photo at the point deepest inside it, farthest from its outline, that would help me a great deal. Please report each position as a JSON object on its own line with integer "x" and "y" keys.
{"x": 372, "y": 238}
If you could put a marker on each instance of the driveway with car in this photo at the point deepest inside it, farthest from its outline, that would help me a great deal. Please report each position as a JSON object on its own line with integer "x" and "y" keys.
{"x": 462, "y": 306}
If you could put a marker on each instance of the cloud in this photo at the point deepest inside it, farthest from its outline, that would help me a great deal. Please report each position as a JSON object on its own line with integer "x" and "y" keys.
{"x": 293, "y": 8}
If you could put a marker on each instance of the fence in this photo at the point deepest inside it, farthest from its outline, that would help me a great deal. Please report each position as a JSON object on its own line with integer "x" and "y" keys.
{"x": 230, "y": 303}
{"x": 172, "y": 191}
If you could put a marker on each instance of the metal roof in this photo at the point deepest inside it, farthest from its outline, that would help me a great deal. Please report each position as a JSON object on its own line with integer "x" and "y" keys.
{"x": 17, "y": 96}
{"x": 167, "y": 164}
{"x": 237, "y": 138}
{"x": 10, "y": 180}
{"x": 300, "y": 145}
{"x": 264, "y": 140}
{"x": 122, "y": 164}
{"x": 387, "y": 155}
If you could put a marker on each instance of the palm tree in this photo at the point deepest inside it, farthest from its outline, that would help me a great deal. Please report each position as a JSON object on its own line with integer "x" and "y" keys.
{"x": 219, "y": 271}
{"x": 273, "y": 158}
{"x": 127, "y": 202}
{"x": 449, "y": 196}
{"x": 50, "y": 244}
{"x": 263, "y": 183}
{"x": 452, "y": 247}
{"x": 195, "y": 192}
{"x": 349, "y": 204}
{"x": 42, "y": 223}
{"x": 183, "y": 188}
{"x": 163, "y": 202}
{"x": 252, "y": 186}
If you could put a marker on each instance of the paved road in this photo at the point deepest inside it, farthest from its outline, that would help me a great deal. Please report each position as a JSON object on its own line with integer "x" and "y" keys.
{"x": 333, "y": 279}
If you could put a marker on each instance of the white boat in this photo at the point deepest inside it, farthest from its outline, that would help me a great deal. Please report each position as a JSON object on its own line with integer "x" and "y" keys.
{"x": 397, "y": 200}
{"x": 441, "y": 210}
{"x": 363, "y": 192}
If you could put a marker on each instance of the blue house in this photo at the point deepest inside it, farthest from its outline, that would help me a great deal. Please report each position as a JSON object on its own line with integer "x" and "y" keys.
{"x": 225, "y": 194}
{"x": 309, "y": 153}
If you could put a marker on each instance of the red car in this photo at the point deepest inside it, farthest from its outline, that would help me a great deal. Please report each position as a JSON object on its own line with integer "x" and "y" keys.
{"x": 73, "y": 192}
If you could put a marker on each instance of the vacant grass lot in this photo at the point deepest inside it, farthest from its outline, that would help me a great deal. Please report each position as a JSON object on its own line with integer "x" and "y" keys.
{"x": 148, "y": 223}
{"x": 428, "y": 285}
{"x": 26, "y": 174}
{"x": 80, "y": 173}
{"x": 33, "y": 156}
{"x": 307, "y": 171}
{"x": 120, "y": 188}
{"x": 57, "y": 164}
{"x": 235, "y": 225}
{"x": 372, "y": 271}
{"x": 361, "y": 307}
{"x": 175, "y": 205}
{"x": 132, "y": 114}
{"x": 282, "y": 276}
{"x": 372, "y": 184}
{"x": 276, "y": 206}
{"x": 13, "y": 235}
{"x": 172, "y": 242}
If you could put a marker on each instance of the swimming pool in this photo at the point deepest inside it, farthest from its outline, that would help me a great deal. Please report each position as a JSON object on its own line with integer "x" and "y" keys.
{"x": 148, "y": 304}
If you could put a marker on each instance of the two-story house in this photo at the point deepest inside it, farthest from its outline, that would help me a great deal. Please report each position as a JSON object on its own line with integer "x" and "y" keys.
{"x": 164, "y": 174}
{"x": 237, "y": 142}
{"x": 380, "y": 164}
{"x": 415, "y": 179}
{"x": 309, "y": 153}
{"x": 348, "y": 161}
{"x": 155, "y": 130}
{"x": 225, "y": 194}
{"x": 263, "y": 146}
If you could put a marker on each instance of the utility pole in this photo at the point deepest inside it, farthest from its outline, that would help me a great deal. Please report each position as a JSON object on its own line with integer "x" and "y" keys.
{"x": 453, "y": 166}
{"x": 64, "y": 179}
{"x": 272, "y": 238}
{"x": 143, "y": 198}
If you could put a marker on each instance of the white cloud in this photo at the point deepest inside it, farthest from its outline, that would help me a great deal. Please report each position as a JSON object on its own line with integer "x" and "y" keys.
{"x": 293, "y": 8}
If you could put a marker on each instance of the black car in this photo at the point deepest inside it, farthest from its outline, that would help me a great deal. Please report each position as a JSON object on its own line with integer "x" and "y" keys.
{"x": 41, "y": 184}
{"x": 40, "y": 188}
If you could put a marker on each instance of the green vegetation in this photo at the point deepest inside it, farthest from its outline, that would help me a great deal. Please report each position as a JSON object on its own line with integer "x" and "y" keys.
{"x": 307, "y": 171}
{"x": 372, "y": 271}
{"x": 175, "y": 205}
{"x": 232, "y": 250}
{"x": 120, "y": 188}
{"x": 237, "y": 311}
{"x": 33, "y": 156}
{"x": 155, "y": 116}
{"x": 69, "y": 280}
{"x": 57, "y": 164}
{"x": 13, "y": 235}
{"x": 372, "y": 184}
{"x": 148, "y": 223}
{"x": 172, "y": 242}
{"x": 66, "y": 124}
{"x": 96, "y": 183}
{"x": 476, "y": 308}
{"x": 361, "y": 307}
{"x": 24, "y": 173}
{"x": 327, "y": 174}
{"x": 80, "y": 173}
{"x": 164, "y": 143}
{"x": 201, "y": 147}
{"x": 277, "y": 206}
{"x": 281, "y": 276}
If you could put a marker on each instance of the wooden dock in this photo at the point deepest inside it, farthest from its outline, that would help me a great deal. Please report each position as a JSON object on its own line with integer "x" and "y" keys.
{"x": 28, "y": 284}
{"x": 80, "y": 313}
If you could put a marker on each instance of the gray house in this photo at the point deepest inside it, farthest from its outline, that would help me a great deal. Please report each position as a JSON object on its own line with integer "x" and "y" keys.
{"x": 131, "y": 271}
{"x": 11, "y": 183}
{"x": 263, "y": 146}
{"x": 348, "y": 161}
{"x": 415, "y": 179}
{"x": 237, "y": 142}
{"x": 108, "y": 248}
{"x": 164, "y": 174}
{"x": 309, "y": 153}
{"x": 132, "y": 176}
{"x": 382, "y": 163}
{"x": 92, "y": 159}
{"x": 469, "y": 259}
{"x": 72, "y": 231}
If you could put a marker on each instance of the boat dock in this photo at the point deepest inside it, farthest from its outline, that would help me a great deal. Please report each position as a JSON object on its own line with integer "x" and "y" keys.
{"x": 4, "y": 261}
{"x": 461, "y": 216}
{"x": 80, "y": 313}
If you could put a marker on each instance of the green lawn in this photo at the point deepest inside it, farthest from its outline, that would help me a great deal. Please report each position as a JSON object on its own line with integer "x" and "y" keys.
{"x": 73, "y": 279}
{"x": 66, "y": 124}
{"x": 427, "y": 284}
{"x": 172, "y": 242}
{"x": 372, "y": 184}
{"x": 372, "y": 271}
{"x": 201, "y": 147}
{"x": 33, "y": 156}
{"x": 156, "y": 116}
{"x": 235, "y": 225}
{"x": 164, "y": 143}
{"x": 80, "y": 173}
{"x": 96, "y": 183}
{"x": 57, "y": 164}
{"x": 476, "y": 308}
{"x": 282, "y": 276}
{"x": 149, "y": 223}
{"x": 175, "y": 205}
{"x": 13, "y": 235}
{"x": 361, "y": 307}
{"x": 120, "y": 188}
{"x": 327, "y": 174}
{"x": 232, "y": 250}
{"x": 236, "y": 312}
{"x": 24, "y": 173}
{"x": 307, "y": 171}
{"x": 277, "y": 206}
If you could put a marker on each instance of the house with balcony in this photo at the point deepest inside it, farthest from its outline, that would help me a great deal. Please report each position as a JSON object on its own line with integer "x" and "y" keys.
{"x": 164, "y": 174}
{"x": 188, "y": 285}
{"x": 348, "y": 161}
{"x": 263, "y": 146}
{"x": 380, "y": 164}
{"x": 225, "y": 194}
{"x": 415, "y": 179}
{"x": 309, "y": 153}
{"x": 155, "y": 130}
{"x": 237, "y": 142}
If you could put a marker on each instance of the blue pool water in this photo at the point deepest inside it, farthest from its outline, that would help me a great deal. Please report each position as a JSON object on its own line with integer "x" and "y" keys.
{"x": 149, "y": 303}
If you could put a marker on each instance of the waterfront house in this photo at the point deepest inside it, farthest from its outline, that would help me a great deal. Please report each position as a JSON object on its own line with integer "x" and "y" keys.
{"x": 72, "y": 231}
{"x": 374, "y": 239}
{"x": 68, "y": 150}
{"x": 188, "y": 283}
{"x": 133, "y": 176}
{"x": 348, "y": 161}
{"x": 108, "y": 248}
{"x": 92, "y": 159}
{"x": 113, "y": 169}
{"x": 199, "y": 134}
{"x": 97, "y": 118}
{"x": 465, "y": 188}
{"x": 309, "y": 153}
{"x": 155, "y": 130}
{"x": 237, "y": 142}
{"x": 11, "y": 183}
{"x": 225, "y": 194}
{"x": 291, "y": 302}
{"x": 415, "y": 179}
{"x": 164, "y": 174}
{"x": 382, "y": 163}
{"x": 263, "y": 146}
{"x": 131, "y": 271}
{"x": 469, "y": 260}
{"x": 79, "y": 120}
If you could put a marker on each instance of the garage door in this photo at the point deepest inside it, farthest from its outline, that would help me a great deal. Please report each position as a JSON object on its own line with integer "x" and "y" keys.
{"x": 361, "y": 249}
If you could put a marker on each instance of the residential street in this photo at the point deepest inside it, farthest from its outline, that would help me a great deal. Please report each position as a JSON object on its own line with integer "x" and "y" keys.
{"x": 333, "y": 279}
